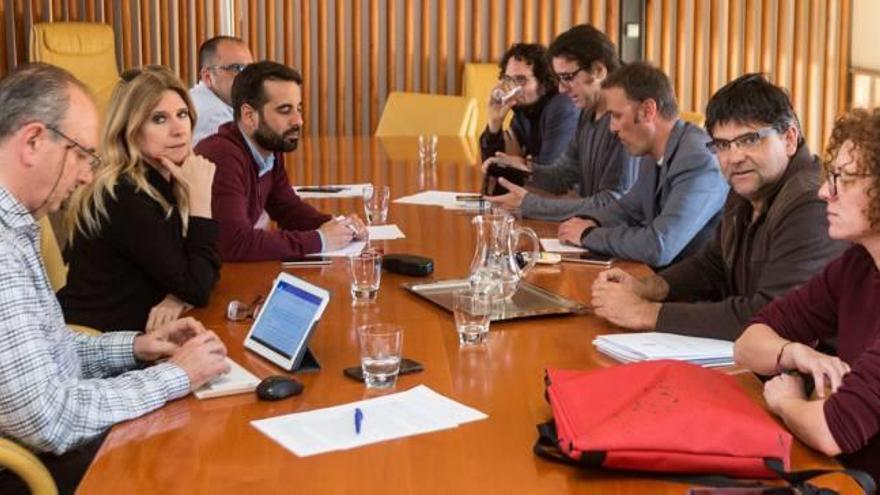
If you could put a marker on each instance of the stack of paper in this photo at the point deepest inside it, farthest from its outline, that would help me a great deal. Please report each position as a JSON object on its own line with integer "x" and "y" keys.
{"x": 377, "y": 233}
{"x": 633, "y": 347}
{"x": 331, "y": 191}
{"x": 417, "y": 410}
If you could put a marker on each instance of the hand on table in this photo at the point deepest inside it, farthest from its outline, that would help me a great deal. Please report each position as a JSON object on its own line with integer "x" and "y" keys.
{"x": 615, "y": 298}
{"x": 203, "y": 358}
{"x": 571, "y": 230}
{"x": 825, "y": 369}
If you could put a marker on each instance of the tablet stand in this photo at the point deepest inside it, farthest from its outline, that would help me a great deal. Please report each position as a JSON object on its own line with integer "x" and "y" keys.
{"x": 309, "y": 363}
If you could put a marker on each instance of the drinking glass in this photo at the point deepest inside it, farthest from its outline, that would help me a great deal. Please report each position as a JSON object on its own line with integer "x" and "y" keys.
{"x": 380, "y": 347}
{"x": 472, "y": 310}
{"x": 366, "y": 274}
{"x": 428, "y": 148}
{"x": 376, "y": 204}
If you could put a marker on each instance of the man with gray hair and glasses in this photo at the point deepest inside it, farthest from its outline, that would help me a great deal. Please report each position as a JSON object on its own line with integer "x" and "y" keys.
{"x": 221, "y": 59}
{"x": 60, "y": 390}
{"x": 773, "y": 234}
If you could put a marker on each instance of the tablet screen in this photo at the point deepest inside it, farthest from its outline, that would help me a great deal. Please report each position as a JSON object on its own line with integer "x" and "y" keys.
{"x": 285, "y": 319}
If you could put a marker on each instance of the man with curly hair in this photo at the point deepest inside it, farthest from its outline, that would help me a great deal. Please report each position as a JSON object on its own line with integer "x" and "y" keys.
{"x": 773, "y": 234}
{"x": 544, "y": 120}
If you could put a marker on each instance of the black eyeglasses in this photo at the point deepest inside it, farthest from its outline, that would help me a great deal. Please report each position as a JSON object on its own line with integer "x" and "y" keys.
{"x": 836, "y": 177}
{"x": 94, "y": 159}
{"x": 568, "y": 77}
{"x": 235, "y": 68}
{"x": 744, "y": 142}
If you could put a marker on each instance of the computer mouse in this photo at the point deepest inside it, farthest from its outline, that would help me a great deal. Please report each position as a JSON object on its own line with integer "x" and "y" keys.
{"x": 278, "y": 387}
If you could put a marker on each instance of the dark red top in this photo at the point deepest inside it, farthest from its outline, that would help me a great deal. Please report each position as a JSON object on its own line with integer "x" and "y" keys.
{"x": 240, "y": 196}
{"x": 842, "y": 301}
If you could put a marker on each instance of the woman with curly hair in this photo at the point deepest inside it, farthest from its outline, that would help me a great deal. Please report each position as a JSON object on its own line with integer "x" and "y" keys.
{"x": 842, "y": 302}
{"x": 143, "y": 243}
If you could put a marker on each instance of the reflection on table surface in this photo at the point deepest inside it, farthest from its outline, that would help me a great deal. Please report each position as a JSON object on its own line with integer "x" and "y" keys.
{"x": 193, "y": 446}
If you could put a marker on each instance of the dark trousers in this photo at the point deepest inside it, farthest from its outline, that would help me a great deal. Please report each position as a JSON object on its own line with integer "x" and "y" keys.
{"x": 67, "y": 469}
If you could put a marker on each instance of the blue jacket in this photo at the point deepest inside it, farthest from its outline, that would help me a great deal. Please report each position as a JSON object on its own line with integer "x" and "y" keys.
{"x": 671, "y": 211}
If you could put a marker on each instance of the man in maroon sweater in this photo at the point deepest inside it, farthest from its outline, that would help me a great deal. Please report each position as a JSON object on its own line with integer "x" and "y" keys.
{"x": 251, "y": 184}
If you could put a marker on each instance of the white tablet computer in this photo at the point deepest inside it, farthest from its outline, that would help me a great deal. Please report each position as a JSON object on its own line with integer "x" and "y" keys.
{"x": 282, "y": 329}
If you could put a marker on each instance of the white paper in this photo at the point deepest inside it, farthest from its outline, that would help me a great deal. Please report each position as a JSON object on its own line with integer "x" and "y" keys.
{"x": 554, "y": 246}
{"x": 415, "y": 411}
{"x": 385, "y": 232}
{"x": 351, "y": 191}
{"x": 634, "y": 347}
{"x": 353, "y": 248}
{"x": 445, "y": 199}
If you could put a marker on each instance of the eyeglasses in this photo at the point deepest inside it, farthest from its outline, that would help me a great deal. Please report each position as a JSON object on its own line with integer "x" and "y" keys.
{"x": 837, "y": 177}
{"x": 235, "y": 68}
{"x": 519, "y": 80}
{"x": 744, "y": 142}
{"x": 568, "y": 77}
{"x": 94, "y": 159}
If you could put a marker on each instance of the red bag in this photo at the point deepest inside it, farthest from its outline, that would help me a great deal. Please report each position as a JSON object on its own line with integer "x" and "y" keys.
{"x": 664, "y": 416}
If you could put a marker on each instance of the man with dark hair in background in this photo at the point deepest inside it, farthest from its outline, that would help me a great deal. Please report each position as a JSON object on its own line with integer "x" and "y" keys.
{"x": 221, "y": 58}
{"x": 673, "y": 208}
{"x": 543, "y": 121}
{"x": 251, "y": 184}
{"x": 773, "y": 234}
{"x": 595, "y": 164}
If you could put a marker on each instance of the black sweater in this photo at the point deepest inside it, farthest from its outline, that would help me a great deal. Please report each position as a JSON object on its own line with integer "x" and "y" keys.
{"x": 139, "y": 256}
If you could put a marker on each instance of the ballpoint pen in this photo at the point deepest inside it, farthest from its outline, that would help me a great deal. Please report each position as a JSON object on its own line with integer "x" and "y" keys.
{"x": 358, "y": 419}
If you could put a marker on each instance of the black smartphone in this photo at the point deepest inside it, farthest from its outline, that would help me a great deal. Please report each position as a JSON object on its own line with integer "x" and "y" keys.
{"x": 589, "y": 259}
{"x": 491, "y": 187}
{"x": 306, "y": 262}
{"x": 407, "y": 365}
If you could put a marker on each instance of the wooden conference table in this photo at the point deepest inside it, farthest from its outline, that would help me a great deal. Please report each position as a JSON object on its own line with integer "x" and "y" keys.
{"x": 192, "y": 446}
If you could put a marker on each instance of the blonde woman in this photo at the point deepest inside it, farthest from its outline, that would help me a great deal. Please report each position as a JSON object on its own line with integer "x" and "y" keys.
{"x": 142, "y": 238}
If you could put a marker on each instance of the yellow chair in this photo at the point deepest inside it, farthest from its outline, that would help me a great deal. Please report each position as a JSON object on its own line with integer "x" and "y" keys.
{"x": 52, "y": 259}
{"x": 477, "y": 82}
{"x": 87, "y": 50}
{"x": 415, "y": 114}
{"x": 695, "y": 118}
{"x": 28, "y": 467}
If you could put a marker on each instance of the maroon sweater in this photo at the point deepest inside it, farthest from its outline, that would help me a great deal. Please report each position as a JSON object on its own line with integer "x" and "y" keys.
{"x": 842, "y": 301}
{"x": 240, "y": 196}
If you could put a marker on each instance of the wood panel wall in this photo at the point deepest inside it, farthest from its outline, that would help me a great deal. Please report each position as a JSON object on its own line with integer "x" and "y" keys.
{"x": 353, "y": 52}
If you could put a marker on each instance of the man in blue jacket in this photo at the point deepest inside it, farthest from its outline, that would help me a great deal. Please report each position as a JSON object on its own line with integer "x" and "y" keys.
{"x": 673, "y": 208}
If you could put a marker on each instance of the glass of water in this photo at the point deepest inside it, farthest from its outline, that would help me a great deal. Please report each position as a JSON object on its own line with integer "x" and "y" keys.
{"x": 376, "y": 200}
{"x": 380, "y": 346}
{"x": 473, "y": 310}
{"x": 427, "y": 148}
{"x": 366, "y": 274}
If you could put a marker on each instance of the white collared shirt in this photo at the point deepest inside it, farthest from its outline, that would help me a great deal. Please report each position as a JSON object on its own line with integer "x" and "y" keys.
{"x": 211, "y": 112}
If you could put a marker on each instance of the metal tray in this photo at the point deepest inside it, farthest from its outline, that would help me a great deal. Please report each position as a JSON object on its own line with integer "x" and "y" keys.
{"x": 528, "y": 301}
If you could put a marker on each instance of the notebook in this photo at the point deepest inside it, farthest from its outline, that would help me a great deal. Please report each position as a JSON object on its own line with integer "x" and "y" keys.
{"x": 237, "y": 381}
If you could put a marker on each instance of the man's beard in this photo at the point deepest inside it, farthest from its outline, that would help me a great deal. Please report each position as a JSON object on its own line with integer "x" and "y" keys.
{"x": 270, "y": 140}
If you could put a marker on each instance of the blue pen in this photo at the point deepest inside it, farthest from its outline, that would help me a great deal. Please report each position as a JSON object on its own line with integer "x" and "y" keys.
{"x": 358, "y": 419}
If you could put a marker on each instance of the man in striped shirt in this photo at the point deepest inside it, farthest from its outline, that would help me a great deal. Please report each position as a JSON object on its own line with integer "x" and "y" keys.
{"x": 61, "y": 390}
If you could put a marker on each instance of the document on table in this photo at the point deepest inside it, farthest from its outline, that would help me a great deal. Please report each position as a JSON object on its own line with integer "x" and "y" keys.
{"x": 554, "y": 246}
{"x": 634, "y": 347}
{"x": 415, "y": 411}
{"x": 331, "y": 191}
{"x": 446, "y": 199}
{"x": 385, "y": 232}
{"x": 353, "y": 248}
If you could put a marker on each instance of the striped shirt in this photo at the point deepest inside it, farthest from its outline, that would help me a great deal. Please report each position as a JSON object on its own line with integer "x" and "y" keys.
{"x": 60, "y": 388}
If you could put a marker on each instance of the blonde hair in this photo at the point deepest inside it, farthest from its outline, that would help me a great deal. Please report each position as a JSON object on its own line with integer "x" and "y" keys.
{"x": 131, "y": 103}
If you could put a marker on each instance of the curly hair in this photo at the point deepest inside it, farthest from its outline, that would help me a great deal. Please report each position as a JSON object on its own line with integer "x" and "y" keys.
{"x": 535, "y": 56}
{"x": 862, "y": 128}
